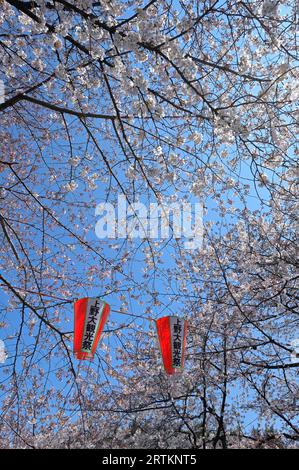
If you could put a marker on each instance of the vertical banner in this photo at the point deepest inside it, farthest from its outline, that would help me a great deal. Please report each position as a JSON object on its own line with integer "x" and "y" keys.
{"x": 172, "y": 334}
{"x": 90, "y": 315}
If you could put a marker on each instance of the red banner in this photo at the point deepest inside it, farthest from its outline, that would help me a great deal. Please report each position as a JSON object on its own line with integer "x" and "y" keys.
{"x": 172, "y": 334}
{"x": 90, "y": 314}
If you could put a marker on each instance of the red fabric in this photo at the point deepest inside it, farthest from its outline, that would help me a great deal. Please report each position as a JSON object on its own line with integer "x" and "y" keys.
{"x": 80, "y": 307}
{"x": 165, "y": 341}
{"x": 80, "y": 312}
{"x": 164, "y": 335}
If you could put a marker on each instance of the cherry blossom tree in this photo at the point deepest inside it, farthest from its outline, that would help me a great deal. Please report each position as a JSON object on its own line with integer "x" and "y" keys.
{"x": 163, "y": 102}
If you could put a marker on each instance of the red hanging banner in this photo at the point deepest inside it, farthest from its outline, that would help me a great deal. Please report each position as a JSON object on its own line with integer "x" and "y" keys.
{"x": 172, "y": 334}
{"x": 90, "y": 315}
